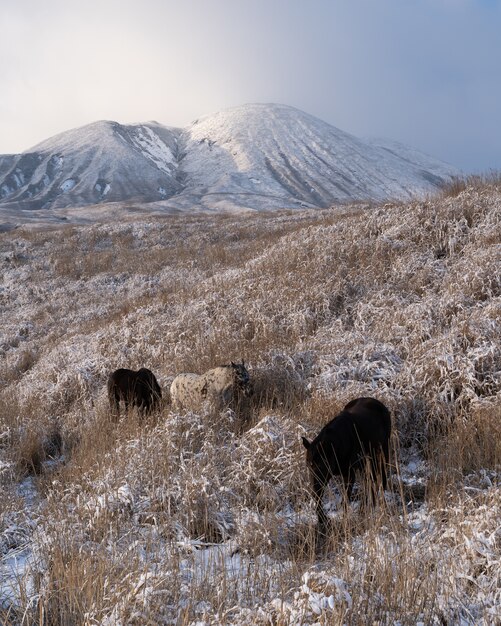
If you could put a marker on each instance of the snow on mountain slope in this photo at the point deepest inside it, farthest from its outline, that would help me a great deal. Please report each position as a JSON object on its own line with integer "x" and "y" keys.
{"x": 103, "y": 161}
{"x": 432, "y": 169}
{"x": 258, "y": 156}
{"x": 279, "y": 152}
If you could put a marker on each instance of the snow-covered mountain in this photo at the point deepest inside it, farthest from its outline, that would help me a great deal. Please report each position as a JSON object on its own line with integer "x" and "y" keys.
{"x": 259, "y": 156}
{"x": 101, "y": 162}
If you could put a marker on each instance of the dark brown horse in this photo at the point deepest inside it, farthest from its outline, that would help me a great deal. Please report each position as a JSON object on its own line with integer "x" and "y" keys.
{"x": 139, "y": 389}
{"x": 356, "y": 440}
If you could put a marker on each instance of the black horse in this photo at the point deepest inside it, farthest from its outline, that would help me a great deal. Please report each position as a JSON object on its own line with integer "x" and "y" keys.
{"x": 356, "y": 440}
{"x": 139, "y": 389}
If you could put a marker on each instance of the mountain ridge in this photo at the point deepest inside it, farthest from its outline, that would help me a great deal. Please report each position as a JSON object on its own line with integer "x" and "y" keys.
{"x": 256, "y": 156}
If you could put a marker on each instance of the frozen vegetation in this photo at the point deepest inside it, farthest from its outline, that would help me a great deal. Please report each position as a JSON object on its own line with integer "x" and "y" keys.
{"x": 207, "y": 518}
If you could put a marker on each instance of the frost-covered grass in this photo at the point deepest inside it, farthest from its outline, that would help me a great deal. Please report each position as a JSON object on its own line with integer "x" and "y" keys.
{"x": 205, "y": 519}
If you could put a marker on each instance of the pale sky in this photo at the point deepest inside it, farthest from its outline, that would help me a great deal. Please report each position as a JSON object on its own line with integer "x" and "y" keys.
{"x": 423, "y": 72}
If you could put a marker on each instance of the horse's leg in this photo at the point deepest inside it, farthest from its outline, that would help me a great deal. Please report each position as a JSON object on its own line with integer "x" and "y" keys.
{"x": 144, "y": 404}
{"x": 141, "y": 392}
{"x": 227, "y": 397}
{"x": 347, "y": 482}
{"x": 319, "y": 485}
{"x": 148, "y": 398}
{"x": 114, "y": 398}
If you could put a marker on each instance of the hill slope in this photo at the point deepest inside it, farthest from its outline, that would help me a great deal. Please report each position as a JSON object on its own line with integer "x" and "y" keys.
{"x": 255, "y": 156}
{"x": 193, "y": 517}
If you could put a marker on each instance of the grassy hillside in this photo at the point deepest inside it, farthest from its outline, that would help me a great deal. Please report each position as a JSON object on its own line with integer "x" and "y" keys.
{"x": 207, "y": 518}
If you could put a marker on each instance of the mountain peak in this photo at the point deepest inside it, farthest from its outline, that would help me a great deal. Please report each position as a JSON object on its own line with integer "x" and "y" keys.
{"x": 257, "y": 156}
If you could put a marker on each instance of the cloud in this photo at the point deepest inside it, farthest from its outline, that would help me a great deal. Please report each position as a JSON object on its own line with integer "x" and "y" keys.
{"x": 425, "y": 73}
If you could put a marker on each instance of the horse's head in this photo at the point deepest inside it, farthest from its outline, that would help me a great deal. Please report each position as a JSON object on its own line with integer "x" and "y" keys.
{"x": 242, "y": 379}
{"x": 317, "y": 462}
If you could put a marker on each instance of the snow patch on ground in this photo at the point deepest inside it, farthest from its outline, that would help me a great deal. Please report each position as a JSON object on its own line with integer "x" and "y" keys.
{"x": 68, "y": 184}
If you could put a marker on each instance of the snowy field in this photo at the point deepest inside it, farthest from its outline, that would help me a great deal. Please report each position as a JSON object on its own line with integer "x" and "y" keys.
{"x": 206, "y": 518}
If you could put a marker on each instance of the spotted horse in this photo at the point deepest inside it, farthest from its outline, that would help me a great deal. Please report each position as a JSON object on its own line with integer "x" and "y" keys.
{"x": 220, "y": 387}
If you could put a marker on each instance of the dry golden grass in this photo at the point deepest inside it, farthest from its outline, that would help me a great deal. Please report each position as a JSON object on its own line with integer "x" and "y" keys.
{"x": 178, "y": 518}
{"x": 462, "y": 183}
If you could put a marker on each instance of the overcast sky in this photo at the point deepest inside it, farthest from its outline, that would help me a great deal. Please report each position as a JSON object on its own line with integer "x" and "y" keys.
{"x": 423, "y": 72}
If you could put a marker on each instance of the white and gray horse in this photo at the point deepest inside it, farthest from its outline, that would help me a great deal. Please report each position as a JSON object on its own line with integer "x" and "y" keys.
{"x": 220, "y": 386}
